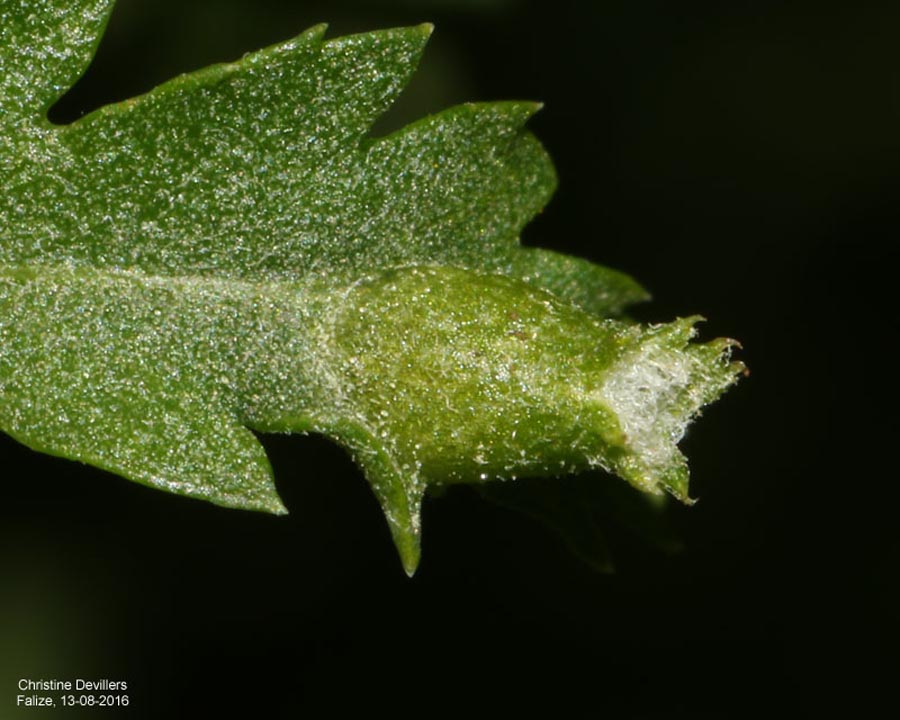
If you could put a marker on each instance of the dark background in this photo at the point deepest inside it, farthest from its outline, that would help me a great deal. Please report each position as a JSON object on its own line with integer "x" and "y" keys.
{"x": 739, "y": 159}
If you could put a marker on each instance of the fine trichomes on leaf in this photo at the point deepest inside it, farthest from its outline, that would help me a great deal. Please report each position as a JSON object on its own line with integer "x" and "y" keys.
{"x": 234, "y": 251}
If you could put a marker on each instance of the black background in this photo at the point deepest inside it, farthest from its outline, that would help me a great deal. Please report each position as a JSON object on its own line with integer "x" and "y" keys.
{"x": 739, "y": 159}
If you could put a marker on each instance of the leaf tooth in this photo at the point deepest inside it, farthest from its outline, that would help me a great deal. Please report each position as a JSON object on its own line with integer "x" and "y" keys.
{"x": 398, "y": 487}
{"x": 367, "y": 72}
{"x": 316, "y": 33}
{"x": 401, "y": 501}
{"x": 597, "y": 289}
{"x": 468, "y": 179}
{"x": 471, "y": 119}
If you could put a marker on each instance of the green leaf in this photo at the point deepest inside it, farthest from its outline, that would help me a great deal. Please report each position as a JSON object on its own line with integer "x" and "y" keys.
{"x": 233, "y": 250}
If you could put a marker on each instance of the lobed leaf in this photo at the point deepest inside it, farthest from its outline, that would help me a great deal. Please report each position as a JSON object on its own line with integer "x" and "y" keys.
{"x": 232, "y": 251}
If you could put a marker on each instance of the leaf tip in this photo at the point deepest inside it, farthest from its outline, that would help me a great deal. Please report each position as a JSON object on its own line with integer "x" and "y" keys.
{"x": 268, "y": 503}
{"x": 402, "y": 511}
{"x": 316, "y": 32}
{"x": 409, "y": 547}
{"x": 278, "y": 509}
{"x": 530, "y": 108}
{"x": 407, "y": 540}
{"x": 271, "y": 502}
{"x": 410, "y": 564}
